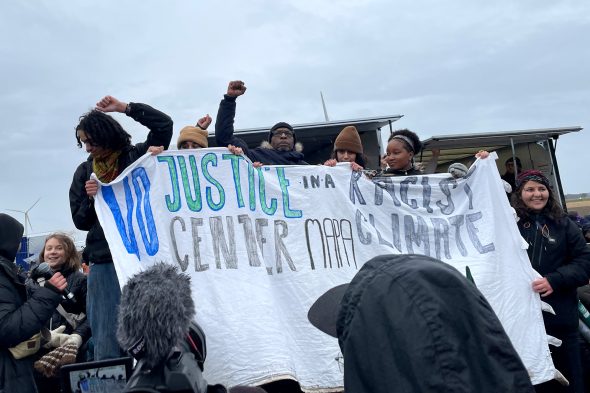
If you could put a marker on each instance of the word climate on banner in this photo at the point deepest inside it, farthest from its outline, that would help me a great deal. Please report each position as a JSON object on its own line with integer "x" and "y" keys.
{"x": 261, "y": 244}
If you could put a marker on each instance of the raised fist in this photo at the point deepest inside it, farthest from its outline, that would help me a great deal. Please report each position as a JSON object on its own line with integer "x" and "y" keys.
{"x": 111, "y": 104}
{"x": 236, "y": 88}
{"x": 206, "y": 120}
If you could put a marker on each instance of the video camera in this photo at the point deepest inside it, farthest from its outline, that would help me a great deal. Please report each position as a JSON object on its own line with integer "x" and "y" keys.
{"x": 156, "y": 326}
{"x": 181, "y": 372}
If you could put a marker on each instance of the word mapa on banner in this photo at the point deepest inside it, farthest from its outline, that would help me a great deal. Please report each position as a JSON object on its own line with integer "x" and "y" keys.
{"x": 262, "y": 244}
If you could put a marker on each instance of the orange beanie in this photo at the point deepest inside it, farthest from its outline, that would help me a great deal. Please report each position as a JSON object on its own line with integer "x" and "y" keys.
{"x": 193, "y": 134}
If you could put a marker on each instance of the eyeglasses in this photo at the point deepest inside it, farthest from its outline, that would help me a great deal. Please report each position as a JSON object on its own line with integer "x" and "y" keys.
{"x": 288, "y": 133}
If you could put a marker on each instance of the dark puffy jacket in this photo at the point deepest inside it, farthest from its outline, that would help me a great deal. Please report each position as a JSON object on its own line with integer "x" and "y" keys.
{"x": 76, "y": 286}
{"x": 410, "y": 323}
{"x": 82, "y": 206}
{"x": 224, "y": 135}
{"x": 20, "y": 318}
{"x": 560, "y": 254}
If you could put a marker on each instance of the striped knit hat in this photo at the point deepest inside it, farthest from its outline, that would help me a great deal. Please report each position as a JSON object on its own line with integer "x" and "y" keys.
{"x": 533, "y": 175}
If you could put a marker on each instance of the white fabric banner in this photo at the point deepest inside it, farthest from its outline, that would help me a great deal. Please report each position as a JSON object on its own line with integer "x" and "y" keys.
{"x": 261, "y": 245}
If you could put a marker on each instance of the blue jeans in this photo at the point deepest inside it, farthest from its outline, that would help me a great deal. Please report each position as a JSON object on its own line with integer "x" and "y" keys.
{"x": 103, "y": 298}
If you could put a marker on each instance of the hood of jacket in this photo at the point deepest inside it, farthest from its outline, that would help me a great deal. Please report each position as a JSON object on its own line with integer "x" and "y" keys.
{"x": 298, "y": 147}
{"x": 410, "y": 323}
{"x": 11, "y": 233}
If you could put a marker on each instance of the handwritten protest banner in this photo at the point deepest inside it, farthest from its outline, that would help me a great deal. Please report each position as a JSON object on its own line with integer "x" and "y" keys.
{"x": 262, "y": 244}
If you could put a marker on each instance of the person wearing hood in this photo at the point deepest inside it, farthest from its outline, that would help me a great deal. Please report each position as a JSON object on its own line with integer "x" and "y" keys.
{"x": 281, "y": 147}
{"x": 111, "y": 152}
{"x": 21, "y": 317}
{"x": 400, "y": 329}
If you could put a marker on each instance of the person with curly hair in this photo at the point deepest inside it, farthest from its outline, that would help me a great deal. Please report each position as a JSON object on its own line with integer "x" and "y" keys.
{"x": 110, "y": 152}
{"x": 402, "y": 147}
{"x": 558, "y": 252}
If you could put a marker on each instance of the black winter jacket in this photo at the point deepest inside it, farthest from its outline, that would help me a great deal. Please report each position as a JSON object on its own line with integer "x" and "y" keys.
{"x": 77, "y": 286}
{"x": 224, "y": 135}
{"x": 560, "y": 254}
{"x": 82, "y": 207}
{"x": 389, "y": 172}
{"x": 20, "y": 318}
{"x": 410, "y": 323}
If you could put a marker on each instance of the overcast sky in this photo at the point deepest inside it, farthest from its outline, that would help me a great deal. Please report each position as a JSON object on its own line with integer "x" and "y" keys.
{"x": 448, "y": 67}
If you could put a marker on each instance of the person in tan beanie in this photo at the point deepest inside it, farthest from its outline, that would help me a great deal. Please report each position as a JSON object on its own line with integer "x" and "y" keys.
{"x": 195, "y": 137}
{"x": 348, "y": 148}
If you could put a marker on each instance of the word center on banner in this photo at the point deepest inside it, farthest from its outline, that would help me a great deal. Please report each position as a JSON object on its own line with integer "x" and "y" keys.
{"x": 262, "y": 244}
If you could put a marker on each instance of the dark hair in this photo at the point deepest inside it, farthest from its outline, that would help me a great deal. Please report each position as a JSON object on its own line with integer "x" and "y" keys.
{"x": 103, "y": 131}
{"x": 552, "y": 209}
{"x": 360, "y": 159}
{"x": 515, "y": 160}
{"x": 415, "y": 147}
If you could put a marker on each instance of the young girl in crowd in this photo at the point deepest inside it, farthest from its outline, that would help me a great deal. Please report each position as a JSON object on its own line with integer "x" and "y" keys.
{"x": 69, "y": 319}
{"x": 558, "y": 252}
{"x": 348, "y": 148}
{"x": 402, "y": 146}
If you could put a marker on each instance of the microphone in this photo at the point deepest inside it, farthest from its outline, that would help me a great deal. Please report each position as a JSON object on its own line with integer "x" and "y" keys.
{"x": 43, "y": 270}
{"x": 156, "y": 328}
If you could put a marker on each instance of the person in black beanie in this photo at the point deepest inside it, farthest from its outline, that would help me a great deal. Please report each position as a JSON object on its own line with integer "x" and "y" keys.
{"x": 280, "y": 148}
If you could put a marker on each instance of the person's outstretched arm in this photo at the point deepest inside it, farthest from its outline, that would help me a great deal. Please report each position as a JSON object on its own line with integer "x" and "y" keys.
{"x": 224, "y": 124}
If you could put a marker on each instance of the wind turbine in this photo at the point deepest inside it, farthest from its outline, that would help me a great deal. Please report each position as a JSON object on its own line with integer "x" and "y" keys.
{"x": 324, "y": 106}
{"x": 27, "y": 220}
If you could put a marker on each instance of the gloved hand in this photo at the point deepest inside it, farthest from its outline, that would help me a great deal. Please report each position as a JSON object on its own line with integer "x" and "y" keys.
{"x": 57, "y": 337}
{"x": 50, "y": 364}
{"x": 74, "y": 339}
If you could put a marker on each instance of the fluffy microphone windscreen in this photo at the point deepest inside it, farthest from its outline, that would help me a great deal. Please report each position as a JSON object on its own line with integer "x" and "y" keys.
{"x": 156, "y": 305}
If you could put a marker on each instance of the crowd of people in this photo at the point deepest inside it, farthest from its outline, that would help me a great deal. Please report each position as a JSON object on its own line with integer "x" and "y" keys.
{"x": 58, "y": 315}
